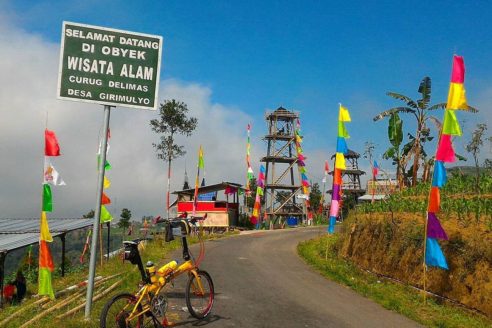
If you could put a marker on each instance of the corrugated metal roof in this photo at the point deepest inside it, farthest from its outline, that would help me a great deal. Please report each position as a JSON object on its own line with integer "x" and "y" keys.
{"x": 18, "y": 233}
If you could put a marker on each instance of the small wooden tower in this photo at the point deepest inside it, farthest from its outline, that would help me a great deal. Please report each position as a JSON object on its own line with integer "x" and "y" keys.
{"x": 282, "y": 181}
{"x": 351, "y": 176}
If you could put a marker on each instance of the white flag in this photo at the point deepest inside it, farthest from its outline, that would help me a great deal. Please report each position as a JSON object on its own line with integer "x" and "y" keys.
{"x": 51, "y": 176}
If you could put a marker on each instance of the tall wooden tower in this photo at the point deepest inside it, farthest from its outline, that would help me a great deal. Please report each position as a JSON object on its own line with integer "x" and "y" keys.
{"x": 282, "y": 181}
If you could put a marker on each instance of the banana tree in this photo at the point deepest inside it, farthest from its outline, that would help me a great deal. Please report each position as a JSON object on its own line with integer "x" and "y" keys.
{"x": 395, "y": 136}
{"x": 420, "y": 110}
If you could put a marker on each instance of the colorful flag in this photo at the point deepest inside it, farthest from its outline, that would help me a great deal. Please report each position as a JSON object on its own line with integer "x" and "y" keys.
{"x": 201, "y": 165}
{"x": 105, "y": 199}
{"x": 260, "y": 182}
{"x": 44, "y": 229}
{"x": 106, "y": 183}
{"x": 249, "y": 174}
{"x": 445, "y": 151}
{"x": 434, "y": 255}
{"x": 340, "y": 165}
{"x": 47, "y": 198}
{"x": 51, "y": 175}
{"x": 444, "y": 154}
{"x": 51, "y": 147}
{"x": 46, "y": 267}
{"x": 456, "y": 95}
{"x": 343, "y": 114}
{"x": 375, "y": 169}
{"x": 105, "y": 215}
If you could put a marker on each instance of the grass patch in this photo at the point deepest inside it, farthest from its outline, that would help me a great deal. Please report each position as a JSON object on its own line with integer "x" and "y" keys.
{"x": 321, "y": 254}
{"x": 157, "y": 250}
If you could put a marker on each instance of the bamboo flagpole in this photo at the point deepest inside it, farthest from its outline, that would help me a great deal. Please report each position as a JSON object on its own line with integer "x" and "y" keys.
{"x": 433, "y": 255}
{"x": 201, "y": 165}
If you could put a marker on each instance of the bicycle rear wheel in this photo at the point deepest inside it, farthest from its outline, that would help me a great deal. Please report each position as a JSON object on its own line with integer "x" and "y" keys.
{"x": 200, "y": 301}
{"x": 118, "y": 309}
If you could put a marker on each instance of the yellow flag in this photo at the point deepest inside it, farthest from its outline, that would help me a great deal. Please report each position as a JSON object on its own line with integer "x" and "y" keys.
{"x": 343, "y": 114}
{"x": 107, "y": 183}
{"x": 44, "y": 229}
{"x": 340, "y": 162}
{"x": 457, "y": 97}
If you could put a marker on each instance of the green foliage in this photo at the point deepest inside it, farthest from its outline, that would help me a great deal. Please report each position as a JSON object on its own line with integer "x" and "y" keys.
{"x": 125, "y": 217}
{"x": 172, "y": 121}
{"x": 420, "y": 109}
{"x": 474, "y": 146}
{"x": 395, "y": 130}
{"x": 244, "y": 221}
{"x": 89, "y": 215}
{"x": 315, "y": 197}
{"x": 455, "y": 199}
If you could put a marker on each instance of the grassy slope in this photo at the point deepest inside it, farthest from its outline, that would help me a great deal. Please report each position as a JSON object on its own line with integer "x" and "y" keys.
{"x": 395, "y": 297}
{"x": 157, "y": 251}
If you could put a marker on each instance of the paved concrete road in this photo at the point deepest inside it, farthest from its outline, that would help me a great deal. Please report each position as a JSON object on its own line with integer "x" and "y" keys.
{"x": 261, "y": 282}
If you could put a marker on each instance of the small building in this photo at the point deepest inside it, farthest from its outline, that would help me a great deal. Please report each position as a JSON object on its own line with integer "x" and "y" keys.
{"x": 379, "y": 189}
{"x": 220, "y": 213}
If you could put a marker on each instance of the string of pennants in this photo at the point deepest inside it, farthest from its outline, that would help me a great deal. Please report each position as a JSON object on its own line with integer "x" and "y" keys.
{"x": 302, "y": 167}
{"x": 444, "y": 154}
{"x": 341, "y": 151}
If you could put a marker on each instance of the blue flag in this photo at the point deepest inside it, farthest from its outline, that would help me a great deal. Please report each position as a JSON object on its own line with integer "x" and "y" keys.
{"x": 342, "y": 145}
{"x": 434, "y": 256}
{"x": 439, "y": 177}
{"x": 331, "y": 227}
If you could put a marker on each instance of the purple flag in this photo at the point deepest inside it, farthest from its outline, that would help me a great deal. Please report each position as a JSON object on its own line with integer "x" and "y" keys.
{"x": 336, "y": 192}
{"x": 434, "y": 228}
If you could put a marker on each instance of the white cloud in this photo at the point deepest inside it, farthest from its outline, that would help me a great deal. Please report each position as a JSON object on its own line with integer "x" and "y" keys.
{"x": 29, "y": 68}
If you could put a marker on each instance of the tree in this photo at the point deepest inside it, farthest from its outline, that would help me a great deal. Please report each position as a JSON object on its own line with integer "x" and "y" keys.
{"x": 89, "y": 215}
{"x": 474, "y": 146}
{"x": 420, "y": 110}
{"x": 395, "y": 136}
{"x": 125, "y": 217}
{"x": 315, "y": 196}
{"x": 172, "y": 121}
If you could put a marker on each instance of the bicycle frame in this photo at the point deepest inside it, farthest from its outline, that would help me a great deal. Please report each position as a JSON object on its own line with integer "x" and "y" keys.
{"x": 154, "y": 284}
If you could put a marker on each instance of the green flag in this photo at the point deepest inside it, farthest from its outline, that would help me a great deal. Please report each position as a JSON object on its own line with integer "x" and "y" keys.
{"x": 342, "y": 131}
{"x": 107, "y": 166}
{"x": 105, "y": 215}
{"x": 47, "y": 199}
{"x": 450, "y": 125}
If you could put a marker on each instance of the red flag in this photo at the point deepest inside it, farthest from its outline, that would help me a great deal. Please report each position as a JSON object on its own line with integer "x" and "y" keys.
{"x": 51, "y": 147}
{"x": 105, "y": 199}
{"x": 327, "y": 167}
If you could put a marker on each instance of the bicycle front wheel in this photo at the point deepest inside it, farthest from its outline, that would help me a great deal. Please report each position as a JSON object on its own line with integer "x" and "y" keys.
{"x": 200, "y": 294}
{"x": 116, "y": 312}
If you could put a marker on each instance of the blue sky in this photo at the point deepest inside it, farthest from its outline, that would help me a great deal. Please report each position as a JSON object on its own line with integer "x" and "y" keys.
{"x": 253, "y": 56}
{"x": 303, "y": 55}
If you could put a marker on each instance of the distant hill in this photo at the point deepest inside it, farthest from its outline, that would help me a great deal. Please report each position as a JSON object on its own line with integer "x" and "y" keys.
{"x": 466, "y": 170}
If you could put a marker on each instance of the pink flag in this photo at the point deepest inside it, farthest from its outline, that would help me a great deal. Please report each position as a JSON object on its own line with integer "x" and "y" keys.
{"x": 445, "y": 151}
{"x": 334, "y": 208}
{"x": 458, "y": 73}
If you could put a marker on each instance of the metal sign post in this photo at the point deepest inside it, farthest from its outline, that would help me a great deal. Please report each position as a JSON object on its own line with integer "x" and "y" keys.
{"x": 97, "y": 214}
{"x": 113, "y": 68}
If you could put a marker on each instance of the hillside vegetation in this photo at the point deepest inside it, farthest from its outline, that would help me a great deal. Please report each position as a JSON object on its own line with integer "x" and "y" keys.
{"x": 387, "y": 238}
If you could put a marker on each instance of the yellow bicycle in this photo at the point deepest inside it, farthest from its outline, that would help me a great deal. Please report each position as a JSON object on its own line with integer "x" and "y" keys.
{"x": 148, "y": 306}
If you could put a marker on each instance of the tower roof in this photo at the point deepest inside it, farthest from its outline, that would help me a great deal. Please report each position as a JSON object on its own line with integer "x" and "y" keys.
{"x": 282, "y": 114}
{"x": 350, "y": 154}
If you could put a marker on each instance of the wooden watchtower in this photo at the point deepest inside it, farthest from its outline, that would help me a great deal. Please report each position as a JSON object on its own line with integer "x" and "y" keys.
{"x": 351, "y": 176}
{"x": 282, "y": 181}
